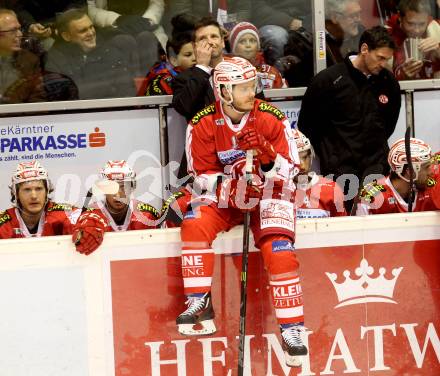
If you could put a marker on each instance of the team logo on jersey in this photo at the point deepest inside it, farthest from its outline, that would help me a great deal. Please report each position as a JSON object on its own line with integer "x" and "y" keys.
{"x": 17, "y": 231}
{"x": 383, "y": 99}
{"x": 266, "y": 107}
{"x": 4, "y": 217}
{"x": 370, "y": 190}
{"x": 202, "y": 113}
{"x": 220, "y": 121}
{"x": 391, "y": 200}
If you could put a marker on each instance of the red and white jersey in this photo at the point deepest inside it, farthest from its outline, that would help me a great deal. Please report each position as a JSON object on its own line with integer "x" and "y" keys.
{"x": 434, "y": 181}
{"x": 212, "y": 150}
{"x": 140, "y": 216}
{"x": 382, "y": 198}
{"x": 270, "y": 77}
{"x": 56, "y": 219}
{"x": 320, "y": 198}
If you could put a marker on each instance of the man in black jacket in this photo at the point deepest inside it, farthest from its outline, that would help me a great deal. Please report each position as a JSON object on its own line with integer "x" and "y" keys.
{"x": 99, "y": 69}
{"x": 351, "y": 109}
{"x": 193, "y": 87}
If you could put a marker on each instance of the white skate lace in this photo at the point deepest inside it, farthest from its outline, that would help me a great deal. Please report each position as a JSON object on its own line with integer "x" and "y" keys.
{"x": 292, "y": 336}
{"x": 195, "y": 304}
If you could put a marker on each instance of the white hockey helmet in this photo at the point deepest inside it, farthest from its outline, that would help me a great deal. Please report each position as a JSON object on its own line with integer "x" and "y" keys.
{"x": 420, "y": 154}
{"x": 28, "y": 171}
{"x": 232, "y": 71}
{"x": 119, "y": 171}
{"x": 302, "y": 142}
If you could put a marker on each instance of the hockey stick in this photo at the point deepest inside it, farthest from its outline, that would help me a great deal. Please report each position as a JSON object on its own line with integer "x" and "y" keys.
{"x": 410, "y": 168}
{"x": 409, "y": 98}
{"x": 101, "y": 187}
{"x": 244, "y": 268}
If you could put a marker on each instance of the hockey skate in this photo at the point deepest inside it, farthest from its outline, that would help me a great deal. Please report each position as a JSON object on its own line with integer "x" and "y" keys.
{"x": 198, "y": 314}
{"x": 293, "y": 345}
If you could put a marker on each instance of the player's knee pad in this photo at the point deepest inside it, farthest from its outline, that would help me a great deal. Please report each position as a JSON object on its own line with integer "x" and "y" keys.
{"x": 279, "y": 257}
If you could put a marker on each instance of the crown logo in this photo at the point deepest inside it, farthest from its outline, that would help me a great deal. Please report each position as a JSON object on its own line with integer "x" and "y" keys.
{"x": 365, "y": 289}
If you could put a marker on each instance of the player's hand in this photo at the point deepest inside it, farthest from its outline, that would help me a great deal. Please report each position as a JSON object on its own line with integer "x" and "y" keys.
{"x": 239, "y": 194}
{"x": 88, "y": 232}
{"x": 411, "y": 67}
{"x": 428, "y": 44}
{"x": 203, "y": 52}
{"x": 249, "y": 138}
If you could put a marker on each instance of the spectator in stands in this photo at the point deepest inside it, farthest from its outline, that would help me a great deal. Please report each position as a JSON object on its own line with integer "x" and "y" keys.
{"x": 97, "y": 68}
{"x": 245, "y": 42}
{"x": 23, "y": 77}
{"x": 351, "y": 109}
{"x": 34, "y": 214}
{"x": 38, "y": 16}
{"x": 35, "y": 83}
{"x": 225, "y": 14}
{"x": 115, "y": 212}
{"x": 137, "y": 18}
{"x": 10, "y": 44}
{"x": 393, "y": 194}
{"x": 290, "y": 15}
{"x": 315, "y": 196}
{"x": 344, "y": 28}
{"x": 193, "y": 87}
{"x": 274, "y": 19}
{"x": 180, "y": 52}
{"x": 414, "y": 21}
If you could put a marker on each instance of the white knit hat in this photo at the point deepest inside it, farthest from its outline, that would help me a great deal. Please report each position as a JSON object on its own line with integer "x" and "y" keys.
{"x": 239, "y": 30}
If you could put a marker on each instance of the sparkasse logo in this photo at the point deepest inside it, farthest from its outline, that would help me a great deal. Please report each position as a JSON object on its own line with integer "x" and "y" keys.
{"x": 49, "y": 142}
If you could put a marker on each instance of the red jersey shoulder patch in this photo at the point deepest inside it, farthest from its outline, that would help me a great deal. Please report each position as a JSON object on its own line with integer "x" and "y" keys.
{"x": 370, "y": 190}
{"x": 208, "y": 110}
{"x": 4, "y": 217}
{"x": 266, "y": 107}
{"x": 142, "y": 207}
{"x": 59, "y": 207}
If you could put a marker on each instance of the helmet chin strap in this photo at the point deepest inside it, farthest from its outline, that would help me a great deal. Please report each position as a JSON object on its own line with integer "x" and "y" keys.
{"x": 235, "y": 109}
{"x": 416, "y": 173}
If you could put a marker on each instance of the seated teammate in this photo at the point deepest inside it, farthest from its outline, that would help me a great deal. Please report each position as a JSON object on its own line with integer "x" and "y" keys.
{"x": 33, "y": 213}
{"x": 119, "y": 212}
{"x": 391, "y": 194}
{"x": 315, "y": 196}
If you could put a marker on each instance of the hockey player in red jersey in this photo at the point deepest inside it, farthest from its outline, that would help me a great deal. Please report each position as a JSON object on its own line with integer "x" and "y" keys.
{"x": 391, "y": 194}
{"x": 217, "y": 140}
{"x": 315, "y": 196}
{"x": 33, "y": 213}
{"x": 434, "y": 181}
{"x": 119, "y": 212}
